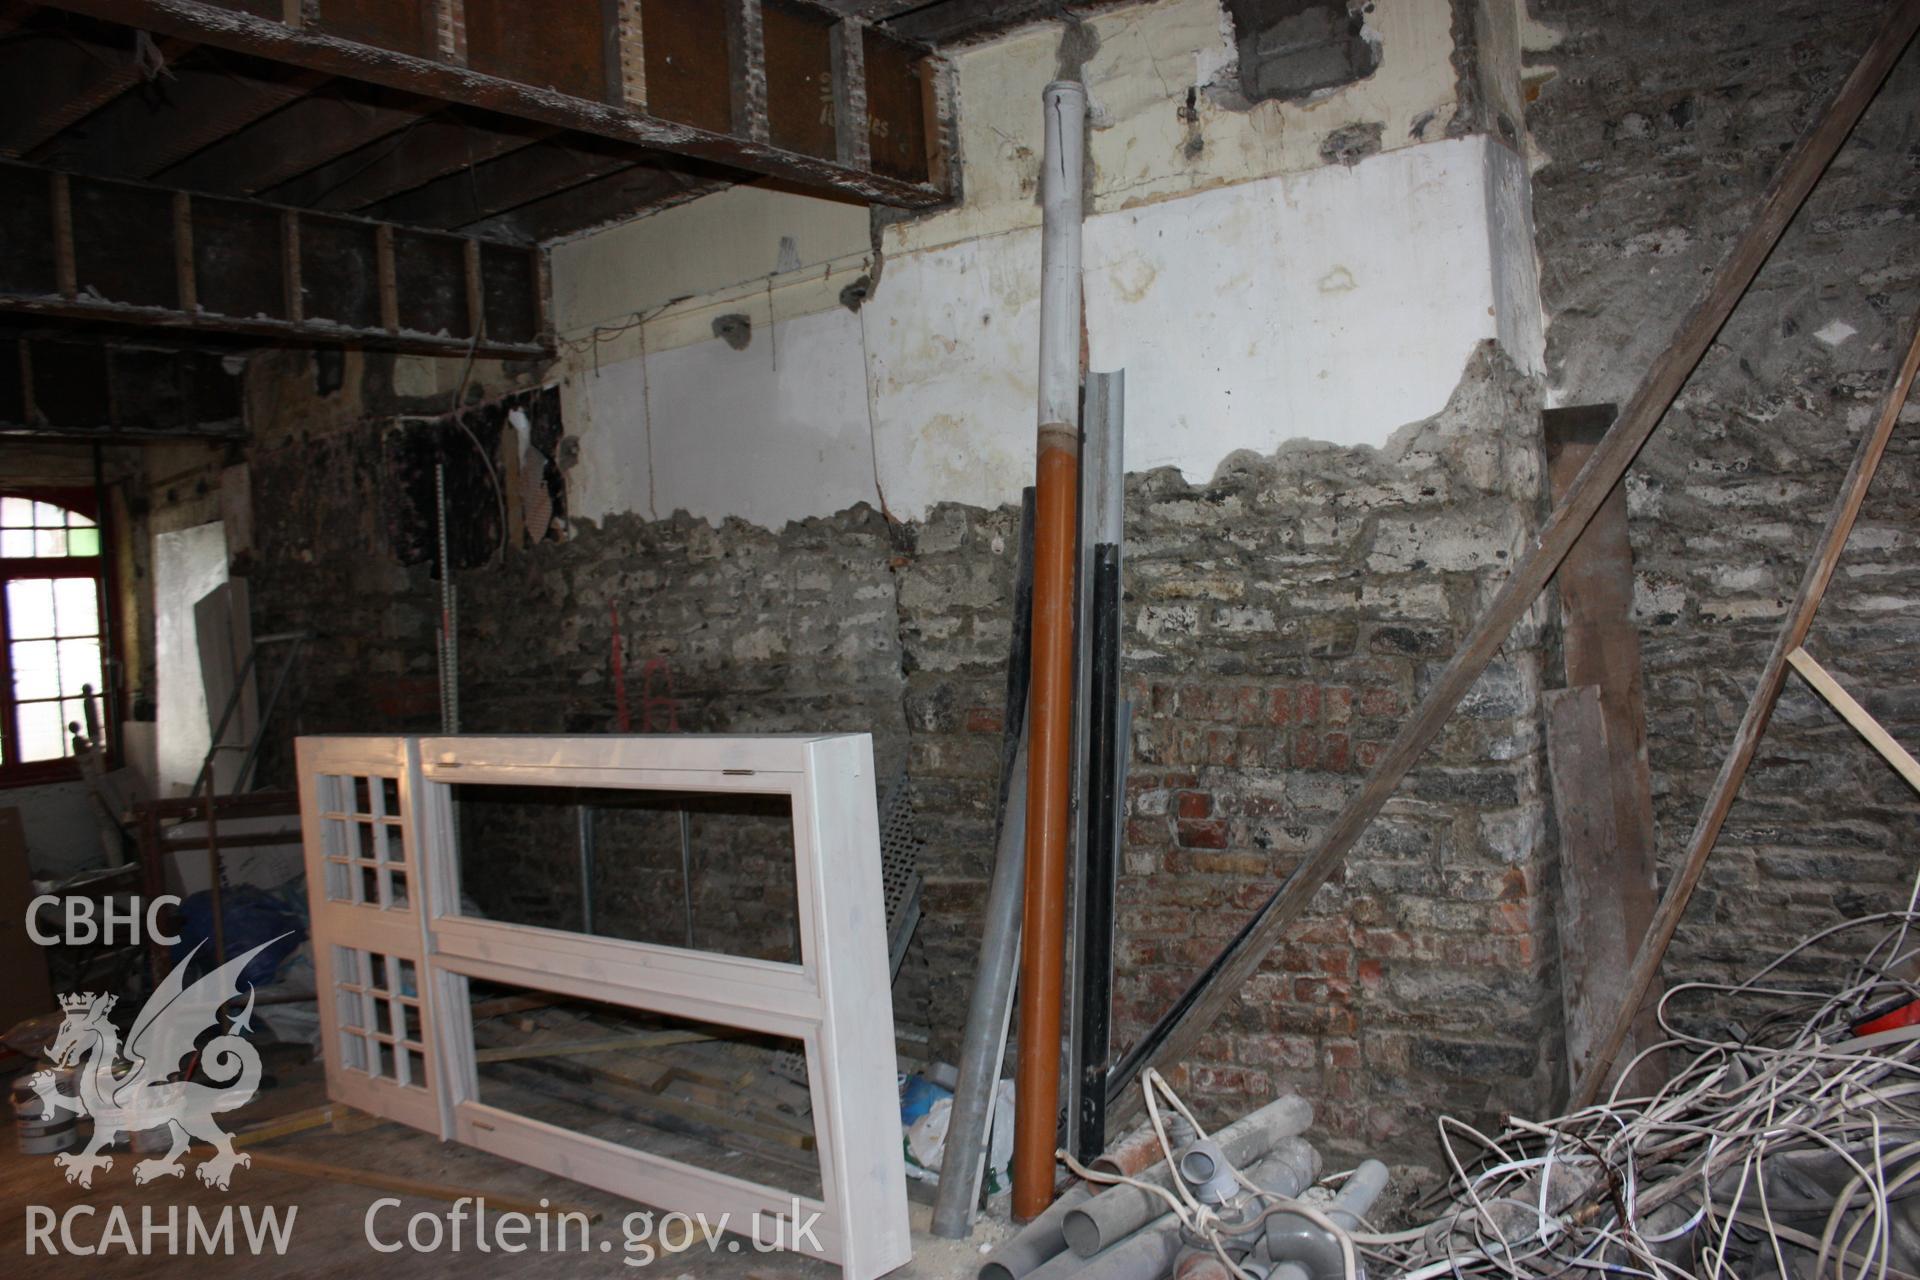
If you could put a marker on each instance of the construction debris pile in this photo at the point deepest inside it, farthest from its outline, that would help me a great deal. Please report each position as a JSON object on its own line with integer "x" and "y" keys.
{"x": 1177, "y": 1203}
{"x": 1787, "y": 1148}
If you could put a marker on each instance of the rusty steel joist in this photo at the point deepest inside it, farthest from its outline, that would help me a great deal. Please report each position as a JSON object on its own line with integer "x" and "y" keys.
{"x": 130, "y": 253}
{"x": 762, "y": 91}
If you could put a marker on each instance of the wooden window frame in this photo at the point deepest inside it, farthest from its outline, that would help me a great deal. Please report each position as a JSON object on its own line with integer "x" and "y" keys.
{"x": 15, "y": 772}
{"x": 836, "y": 1001}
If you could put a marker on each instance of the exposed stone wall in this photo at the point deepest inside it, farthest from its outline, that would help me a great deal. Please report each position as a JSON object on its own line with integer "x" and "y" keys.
{"x": 1282, "y": 622}
{"x": 730, "y": 630}
{"x": 724, "y": 630}
{"x": 733, "y": 629}
{"x": 323, "y": 558}
{"x": 1283, "y": 618}
{"x": 955, "y": 616}
{"x": 1279, "y": 624}
{"x": 322, "y": 565}
{"x": 1659, "y": 125}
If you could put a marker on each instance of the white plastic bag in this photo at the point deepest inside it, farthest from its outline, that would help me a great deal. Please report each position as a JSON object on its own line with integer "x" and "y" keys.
{"x": 926, "y": 1141}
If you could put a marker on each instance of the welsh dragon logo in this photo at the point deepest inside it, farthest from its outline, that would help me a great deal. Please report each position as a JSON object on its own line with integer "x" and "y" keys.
{"x": 129, "y": 1089}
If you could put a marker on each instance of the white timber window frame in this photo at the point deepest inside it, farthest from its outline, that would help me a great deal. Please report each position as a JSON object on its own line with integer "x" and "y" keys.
{"x": 393, "y": 956}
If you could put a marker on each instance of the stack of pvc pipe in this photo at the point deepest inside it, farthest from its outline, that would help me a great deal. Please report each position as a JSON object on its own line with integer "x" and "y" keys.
{"x": 1283, "y": 1244}
{"x": 1125, "y": 1233}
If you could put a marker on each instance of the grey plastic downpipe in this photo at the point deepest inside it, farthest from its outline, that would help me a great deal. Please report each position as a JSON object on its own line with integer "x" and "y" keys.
{"x": 1113, "y": 1215}
{"x": 984, "y": 1041}
{"x": 1064, "y": 103}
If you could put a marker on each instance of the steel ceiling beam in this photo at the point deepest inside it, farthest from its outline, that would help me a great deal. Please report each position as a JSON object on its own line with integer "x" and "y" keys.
{"x": 620, "y": 81}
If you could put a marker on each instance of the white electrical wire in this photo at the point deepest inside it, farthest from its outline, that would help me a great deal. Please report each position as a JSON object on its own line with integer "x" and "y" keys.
{"x": 1676, "y": 1184}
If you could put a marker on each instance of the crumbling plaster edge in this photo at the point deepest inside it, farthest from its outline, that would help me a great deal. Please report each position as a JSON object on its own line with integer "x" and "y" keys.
{"x": 1487, "y": 365}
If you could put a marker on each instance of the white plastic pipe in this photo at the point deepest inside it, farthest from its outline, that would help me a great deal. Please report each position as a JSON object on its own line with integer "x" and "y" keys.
{"x": 1065, "y": 107}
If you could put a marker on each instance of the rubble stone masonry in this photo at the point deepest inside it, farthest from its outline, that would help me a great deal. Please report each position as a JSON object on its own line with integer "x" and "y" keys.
{"x": 1283, "y": 616}
{"x": 1280, "y": 620}
{"x": 1657, "y": 127}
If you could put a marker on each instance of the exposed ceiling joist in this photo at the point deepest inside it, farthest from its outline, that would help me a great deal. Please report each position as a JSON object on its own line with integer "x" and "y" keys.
{"x": 96, "y": 249}
{"x": 195, "y": 103}
{"x": 56, "y": 79}
{"x": 334, "y": 120}
{"x": 412, "y": 158}
{"x": 953, "y": 20}
{"x": 873, "y": 10}
{"x": 518, "y": 178}
{"x": 597, "y": 203}
{"x": 648, "y": 74}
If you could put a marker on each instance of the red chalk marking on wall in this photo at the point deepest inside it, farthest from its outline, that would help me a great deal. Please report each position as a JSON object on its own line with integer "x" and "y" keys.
{"x": 620, "y": 713}
{"x": 659, "y": 711}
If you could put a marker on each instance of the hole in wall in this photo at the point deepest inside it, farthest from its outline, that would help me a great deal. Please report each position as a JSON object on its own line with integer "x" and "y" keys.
{"x": 735, "y": 329}
{"x": 1293, "y": 49}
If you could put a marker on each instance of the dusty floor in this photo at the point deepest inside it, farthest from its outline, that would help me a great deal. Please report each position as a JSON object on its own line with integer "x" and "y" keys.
{"x": 328, "y": 1236}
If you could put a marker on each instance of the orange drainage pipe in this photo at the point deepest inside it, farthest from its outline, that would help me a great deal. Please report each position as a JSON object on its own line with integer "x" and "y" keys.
{"x": 1050, "y": 718}
{"x": 1049, "y": 762}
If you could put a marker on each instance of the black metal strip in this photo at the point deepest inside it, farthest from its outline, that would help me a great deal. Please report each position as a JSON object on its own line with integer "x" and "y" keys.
{"x": 1101, "y": 814}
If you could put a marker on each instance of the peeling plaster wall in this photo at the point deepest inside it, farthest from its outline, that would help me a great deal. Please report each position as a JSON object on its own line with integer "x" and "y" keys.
{"x": 1335, "y": 304}
{"x": 1254, "y": 292}
{"x": 1301, "y": 559}
{"x": 1279, "y": 620}
{"x": 1147, "y": 143}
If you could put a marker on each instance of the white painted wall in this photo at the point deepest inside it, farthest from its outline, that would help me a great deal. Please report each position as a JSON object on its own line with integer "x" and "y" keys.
{"x": 1253, "y": 294}
{"x": 954, "y": 335}
{"x": 775, "y": 432}
{"x": 187, "y": 563}
{"x": 1337, "y": 304}
{"x": 736, "y": 235}
{"x": 606, "y": 407}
